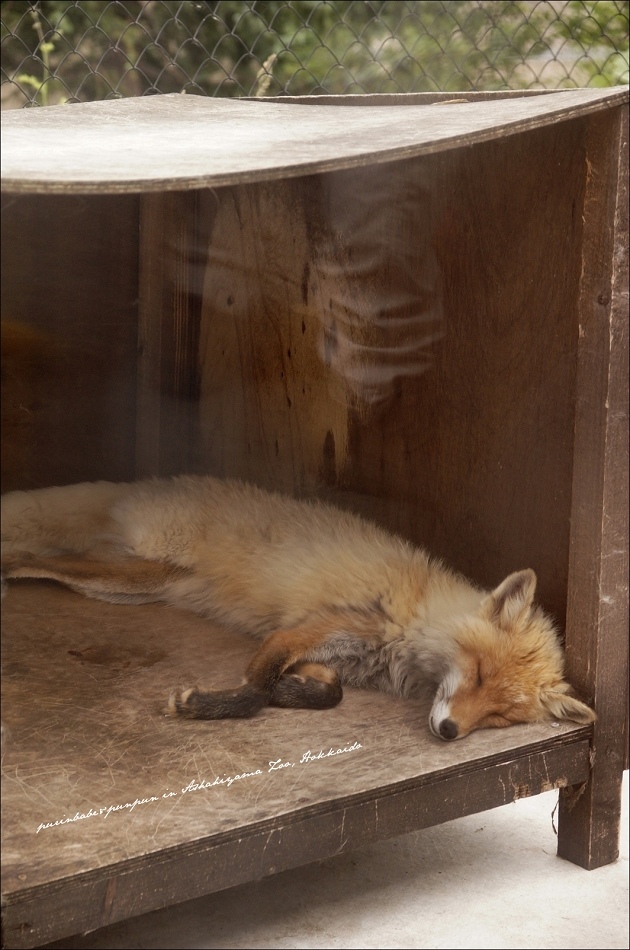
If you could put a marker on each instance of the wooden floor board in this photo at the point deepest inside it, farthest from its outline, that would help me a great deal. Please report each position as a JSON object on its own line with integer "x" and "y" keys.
{"x": 167, "y": 816}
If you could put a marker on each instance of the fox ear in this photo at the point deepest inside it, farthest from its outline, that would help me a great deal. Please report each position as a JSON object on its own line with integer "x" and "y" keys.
{"x": 512, "y": 600}
{"x": 563, "y": 706}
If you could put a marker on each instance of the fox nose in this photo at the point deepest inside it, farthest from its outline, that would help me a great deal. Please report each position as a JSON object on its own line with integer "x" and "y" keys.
{"x": 448, "y": 729}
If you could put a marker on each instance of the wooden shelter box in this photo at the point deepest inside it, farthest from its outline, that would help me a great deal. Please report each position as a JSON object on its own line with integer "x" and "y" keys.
{"x": 411, "y": 306}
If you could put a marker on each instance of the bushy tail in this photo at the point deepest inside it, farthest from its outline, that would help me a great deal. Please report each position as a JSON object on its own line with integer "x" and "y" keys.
{"x": 73, "y": 519}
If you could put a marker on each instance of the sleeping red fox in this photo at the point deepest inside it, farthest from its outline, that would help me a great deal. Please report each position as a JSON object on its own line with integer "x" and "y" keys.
{"x": 336, "y": 599}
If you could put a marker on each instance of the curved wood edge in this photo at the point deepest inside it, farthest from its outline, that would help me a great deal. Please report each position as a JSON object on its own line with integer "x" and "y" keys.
{"x": 478, "y": 123}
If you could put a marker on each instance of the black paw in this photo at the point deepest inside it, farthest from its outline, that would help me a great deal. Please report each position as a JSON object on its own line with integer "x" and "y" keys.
{"x": 305, "y": 692}
{"x": 224, "y": 704}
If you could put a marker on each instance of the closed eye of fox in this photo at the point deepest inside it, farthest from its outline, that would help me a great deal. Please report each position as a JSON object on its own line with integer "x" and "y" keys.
{"x": 335, "y": 599}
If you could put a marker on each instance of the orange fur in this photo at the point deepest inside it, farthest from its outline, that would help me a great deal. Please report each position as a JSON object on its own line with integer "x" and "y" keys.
{"x": 336, "y": 598}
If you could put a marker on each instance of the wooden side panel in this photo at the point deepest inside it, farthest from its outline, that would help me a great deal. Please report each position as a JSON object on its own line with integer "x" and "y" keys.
{"x": 597, "y": 622}
{"x": 69, "y": 309}
{"x": 402, "y": 341}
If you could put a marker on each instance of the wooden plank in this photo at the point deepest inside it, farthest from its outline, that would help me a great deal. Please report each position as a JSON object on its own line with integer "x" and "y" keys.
{"x": 402, "y": 98}
{"x": 91, "y": 901}
{"x": 402, "y": 341}
{"x": 597, "y": 618}
{"x": 179, "y": 142}
{"x": 84, "y": 686}
{"x": 69, "y": 306}
{"x": 273, "y": 409}
{"x": 174, "y": 235}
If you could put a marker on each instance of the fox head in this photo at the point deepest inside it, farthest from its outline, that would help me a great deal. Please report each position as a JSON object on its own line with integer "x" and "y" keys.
{"x": 507, "y": 668}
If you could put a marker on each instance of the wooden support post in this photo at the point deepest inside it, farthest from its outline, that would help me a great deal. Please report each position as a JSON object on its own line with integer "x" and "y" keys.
{"x": 597, "y": 615}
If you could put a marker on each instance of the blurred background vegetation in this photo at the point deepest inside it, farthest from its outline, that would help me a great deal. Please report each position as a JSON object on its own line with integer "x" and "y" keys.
{"x": 55, "y": 51}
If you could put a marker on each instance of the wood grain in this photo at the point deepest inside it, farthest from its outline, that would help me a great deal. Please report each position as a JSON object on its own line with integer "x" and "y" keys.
{"x": 402, "y": 98}
{"x": 177, "y": 142}
{"x": 70, "y": 293}
{"x": 84, "y": 730}
{"x": 597, "y": 621}
{"x": 403, "y": 342}
{"x": 174, "y": 235}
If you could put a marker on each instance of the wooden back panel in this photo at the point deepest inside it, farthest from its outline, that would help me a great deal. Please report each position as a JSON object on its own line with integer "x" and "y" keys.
{"x": 399, "y": 339}
{"x": 402, "y": 341}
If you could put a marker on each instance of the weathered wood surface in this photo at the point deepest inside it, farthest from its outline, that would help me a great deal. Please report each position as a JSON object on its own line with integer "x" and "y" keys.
{"x": 174, "y": 231}
{"x": 403, "y": 98}
{"x": 181, "y": 142}
{"x": 597, "y": 616}
{"x": 404, "y": 343}
{"x": 70, "y": 302}
{"x": 84, "y": 686}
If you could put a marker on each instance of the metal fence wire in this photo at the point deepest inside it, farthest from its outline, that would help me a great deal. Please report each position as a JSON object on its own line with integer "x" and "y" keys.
{"x": 55, "y": 52}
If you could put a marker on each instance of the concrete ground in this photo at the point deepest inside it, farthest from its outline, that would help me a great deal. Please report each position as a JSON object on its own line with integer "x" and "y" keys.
{"x": 491, "y": 880}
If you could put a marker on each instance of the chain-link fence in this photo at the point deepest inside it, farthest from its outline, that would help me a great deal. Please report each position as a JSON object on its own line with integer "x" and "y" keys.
{"x": 55, "y": 51}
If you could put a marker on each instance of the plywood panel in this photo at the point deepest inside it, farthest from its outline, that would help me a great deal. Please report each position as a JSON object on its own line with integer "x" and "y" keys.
{"x": 70, "y": 293}
{"x": 111, "y": 809}
{"x": 174, "y": 236}
{"x": 177, "y": 142}
{"x": 314, "y": 305}
{"x": 402, "y": 340}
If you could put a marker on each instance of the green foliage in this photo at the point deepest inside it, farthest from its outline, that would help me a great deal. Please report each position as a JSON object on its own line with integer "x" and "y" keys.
{"x": 54, "y": 50}
{"x": 598, "y": 34}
